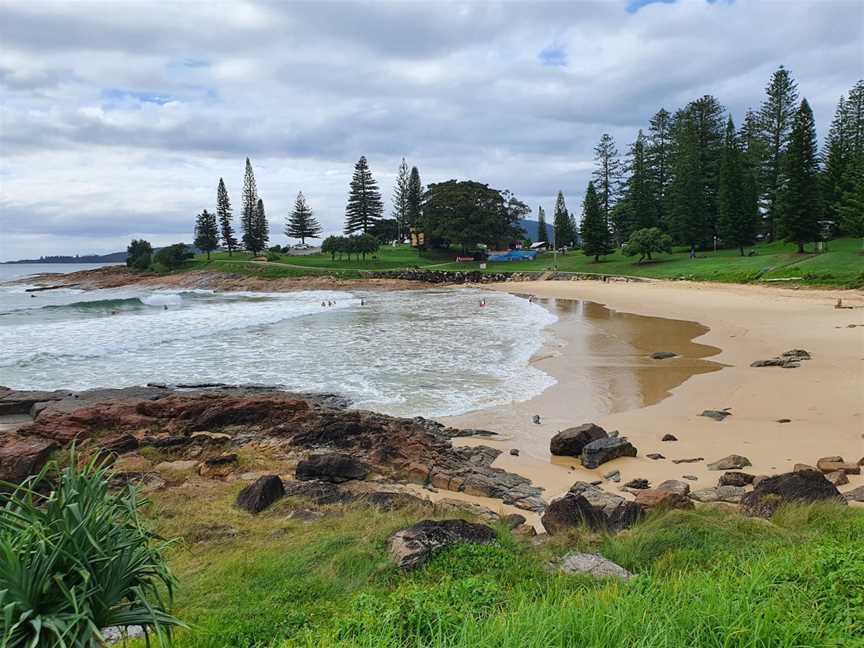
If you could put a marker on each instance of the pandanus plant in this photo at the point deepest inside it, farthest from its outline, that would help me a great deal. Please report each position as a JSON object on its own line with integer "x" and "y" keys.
{"x": 76, "y": 558}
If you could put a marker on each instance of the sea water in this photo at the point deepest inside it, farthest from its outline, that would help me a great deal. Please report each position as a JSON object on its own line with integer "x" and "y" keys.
{"x": 429, "y": 352}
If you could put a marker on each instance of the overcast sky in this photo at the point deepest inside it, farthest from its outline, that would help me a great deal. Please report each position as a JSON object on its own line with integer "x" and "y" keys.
{"x": 118, "y": 118}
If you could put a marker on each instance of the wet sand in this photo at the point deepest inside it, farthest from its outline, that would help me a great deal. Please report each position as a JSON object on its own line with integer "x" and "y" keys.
{"x": 607, "y": 377}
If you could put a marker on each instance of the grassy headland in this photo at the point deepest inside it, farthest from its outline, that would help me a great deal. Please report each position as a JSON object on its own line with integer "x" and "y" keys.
{"x": 702, "y": 578}
{"x": 842, "y": 265}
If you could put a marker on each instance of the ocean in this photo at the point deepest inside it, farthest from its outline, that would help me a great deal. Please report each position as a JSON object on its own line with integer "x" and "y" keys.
{"x": 433, "y": 352}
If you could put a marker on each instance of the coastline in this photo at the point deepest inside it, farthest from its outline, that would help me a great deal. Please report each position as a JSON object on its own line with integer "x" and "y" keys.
{"x": 824, "y": 398}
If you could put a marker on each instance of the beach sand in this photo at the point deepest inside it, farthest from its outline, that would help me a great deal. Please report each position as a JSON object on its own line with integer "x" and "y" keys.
{"x": 733, "y": 325}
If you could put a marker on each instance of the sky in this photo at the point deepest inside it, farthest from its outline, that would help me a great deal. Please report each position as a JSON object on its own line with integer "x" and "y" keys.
{"x": 117, "y": 119}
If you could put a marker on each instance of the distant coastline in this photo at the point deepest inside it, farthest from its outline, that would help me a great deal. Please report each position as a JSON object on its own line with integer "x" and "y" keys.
{"x": 114, "y": 257}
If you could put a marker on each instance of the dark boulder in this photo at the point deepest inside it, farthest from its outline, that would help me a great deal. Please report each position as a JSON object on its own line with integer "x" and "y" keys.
{"x": 802, "y": 486}
{"x": 570, "y": 442}
{"x": 412, "y": 547}
{"x": 120, "y": 442}
{"x": 569, "y": 512}
{"x": 717, "y": 415}
{"x": 663, "y": 355}
{"x": 735, "y": 479}
{"x": 732, "y": 462}
{"x": 669, "y": 437}
{"x": 262, "y": 493}
{"x": 639, "y": 484}
{"x": 603, "y": 450}
{"x": 333, "y": 467}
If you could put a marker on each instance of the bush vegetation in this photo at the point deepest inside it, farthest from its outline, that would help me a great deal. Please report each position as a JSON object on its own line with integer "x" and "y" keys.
{"x": 76, "y": 558}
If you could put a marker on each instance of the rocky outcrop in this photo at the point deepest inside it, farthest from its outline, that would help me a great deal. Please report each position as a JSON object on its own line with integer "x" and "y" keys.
{"x": 593, "y": 565}
{"x": 674, "y": 486}
{"x": 262, "y": 493}
{"x": 412, "y": 547}
{"x": 570, "y": 442}
{"x": 603, "y": 450}
{"x": 732, "y": 462}
{"x": 570, "y": 512}
{"x": 728, "y": 494}
{"x": 834, "y": 464}
{"x": 333, "y": 467}
{"x": 21, "y": 457}
{"x": 788, "y": 360}
{"x": 22, "y": 402}
{"x": 654, "y": 498}
{"x": 204, "y": 422}
{"x": 802, "y": 486}
{"x": 855, "y": 495}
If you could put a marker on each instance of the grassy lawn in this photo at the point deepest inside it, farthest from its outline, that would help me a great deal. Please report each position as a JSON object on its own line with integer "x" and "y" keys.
{"x": 841, "y": 265}
{"x": 703, "y": 578}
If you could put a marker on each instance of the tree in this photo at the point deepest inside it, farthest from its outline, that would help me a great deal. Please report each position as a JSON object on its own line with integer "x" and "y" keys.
{"x": 206, "y": 232}
{"x": 776, "y": 116}
{"x": 851, "y": 207}
{"x": 854, "y": 122}
{"x": 542, "y": 234}
{"x": 302, "y": 224}
{"x": 333, "y": 245}
{"x": 401, "y": 190}
{"x": 607, "y": 175}
{"x": 248, "y": 219}
{"x": 415, "y": 198}
{"x": 736, "y": 215}
{"x": 363, "y": 244}
{"x": 647, "y": 241}
{"x": 798, "y": 203}
{"x": 658, "y": 161}
{"x": 752, "y": 157}
{"x": 637, "y": 209}
{"x": 138, "y": 254}
{"x": 172, "y": 256}
{"x": 261, "y": 227}
{"x": 386, "y": 230}
{"x": 686, "y": 212}
{"x": 565, "y": 233}
{"x": 467, "y": 213}
{"x": 223, "y": 213}
{"x": 706, "y": 115}
{"x": 844, "y": 151}
{"x": 364, "y": 200}
{"x": 596, "y": 240}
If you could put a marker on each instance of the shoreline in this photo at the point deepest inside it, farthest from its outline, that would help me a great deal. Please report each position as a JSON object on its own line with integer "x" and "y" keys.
{"x": 824, "y": 398}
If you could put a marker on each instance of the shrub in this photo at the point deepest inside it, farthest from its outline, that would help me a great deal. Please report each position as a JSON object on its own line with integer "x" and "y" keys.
{"x": 138, "y": 254}
{"x": 273, "y": 256}
{"x": 645, "y": 242}
{"x": 78, "y": 560}
{"x": 172, "y": 257}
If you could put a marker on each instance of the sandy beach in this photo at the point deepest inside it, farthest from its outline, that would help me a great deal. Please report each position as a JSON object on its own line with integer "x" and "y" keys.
{"x": 731, "y": 326}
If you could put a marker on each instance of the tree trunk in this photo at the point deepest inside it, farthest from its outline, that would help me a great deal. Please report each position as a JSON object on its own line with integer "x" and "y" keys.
{"x": 800, "y": 248}
{"x": 208, "y": 255}
{"x": 741, "y": 247}
{"x": 649, "y": 255}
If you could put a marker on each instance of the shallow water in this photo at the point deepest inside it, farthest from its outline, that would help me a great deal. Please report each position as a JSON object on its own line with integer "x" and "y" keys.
{"x": 428, "y": 353}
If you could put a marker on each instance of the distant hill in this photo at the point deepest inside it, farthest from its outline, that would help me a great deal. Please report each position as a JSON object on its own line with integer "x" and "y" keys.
{"x": 114, "y": 257}
{"x": 532, "y": 227}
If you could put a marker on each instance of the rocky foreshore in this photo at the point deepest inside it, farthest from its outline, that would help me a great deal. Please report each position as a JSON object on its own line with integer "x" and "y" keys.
{"x": 201, "y": 428}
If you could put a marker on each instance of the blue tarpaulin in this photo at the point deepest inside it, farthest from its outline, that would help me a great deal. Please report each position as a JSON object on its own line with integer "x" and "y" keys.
{"x": 515, "y": 255}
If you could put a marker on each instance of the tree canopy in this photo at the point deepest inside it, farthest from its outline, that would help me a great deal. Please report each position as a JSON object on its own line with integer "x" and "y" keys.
{"x": 302, "y": 223}
{"x": 364, "y": 206}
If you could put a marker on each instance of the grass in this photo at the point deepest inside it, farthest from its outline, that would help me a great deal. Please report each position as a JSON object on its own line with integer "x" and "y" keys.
{"x": 704, "y": 578}
{"x": 842, "y": 265}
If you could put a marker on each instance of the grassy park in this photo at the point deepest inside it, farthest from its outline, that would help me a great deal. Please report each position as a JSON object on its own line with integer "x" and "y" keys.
{"x": 840, "y": 265}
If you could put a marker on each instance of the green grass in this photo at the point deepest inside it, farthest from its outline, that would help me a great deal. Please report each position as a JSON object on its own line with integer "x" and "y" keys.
{"x": 704, "y": 578}
{"x": 842, "y": 265}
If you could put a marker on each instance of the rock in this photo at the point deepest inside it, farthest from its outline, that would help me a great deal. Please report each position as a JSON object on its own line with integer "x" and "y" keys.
{"x": 655, "y": 498}
{"x": 613, "y": 512}
{"x": 571, "y": 441}
{"x": 796, "y": 354}
{"x": 513, "y": 520}
{"x": 674, "y": 486}
{"x": 412, "y": 547}
{"x": 759, "y": 479}
{"x": 803, "y": 486}
{"x": 21, "y": 457}
{"x": 569, "y": 512}
{"x": 613, "y": 475}
{"x": 22, "y": 402}
{"x": 689, "y": 460}
{"x": 119, "y": 443}
{"x": 181, "y": 465}
{"x": 603, "y": 450}
{"x": 655, "y": 456}
{"x": 638, "y": 484}
{"x": 855, "y": 495}
{"x": 514, "y": 452}
{"x": 262, "y": 493}
{"x": 729, "y": 494}
{"x": 663, "y": 355}
{"x": 392, "y": 501}
{"x": 333, "y": 467}
{"x": 220, "y": 466}
{"x": 833, "y": 464}
{"x": 705, "y": 495}
{"x": 525, "y": 531}
{"x": 319, "y": 492}
{"x": 669, "y": 437}
{"x": 732, "y": 462}
{"x": 717, "y": 415}
{"x": 690, "y": 477}
{"x": 735, "y": 479}
{"x": 798, "y": 467}
{"x": 788, "y": 360}
{"x": 838, "y": 478}
{"x": 592, "y": 565}
{"x": 784, "y": 420}
{"x": 536, "y": 419}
